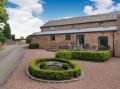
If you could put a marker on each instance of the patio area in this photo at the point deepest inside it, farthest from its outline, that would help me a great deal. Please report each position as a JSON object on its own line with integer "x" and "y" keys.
{"x": 96, "y": 75}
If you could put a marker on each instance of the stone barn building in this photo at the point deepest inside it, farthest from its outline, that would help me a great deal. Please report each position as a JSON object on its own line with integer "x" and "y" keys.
{"x": 95, "y": 32}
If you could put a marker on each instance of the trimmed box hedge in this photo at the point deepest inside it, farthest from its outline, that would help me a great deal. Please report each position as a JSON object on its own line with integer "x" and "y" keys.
{"x": 99, "y": 56}
{"x": 33, "y": 46}
{"x": 35, "y": 71}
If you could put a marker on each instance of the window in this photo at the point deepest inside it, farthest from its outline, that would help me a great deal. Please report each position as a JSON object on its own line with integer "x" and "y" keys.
{"x": 51, "y": 28}
{"x": 52, "y": 37}
{"x": 72, "y": 26}
{"x": 67, "y": 37}
{"x": 103, "y": 43}
{"x": 80, "y": 40}
{"x": 100, "y": 24}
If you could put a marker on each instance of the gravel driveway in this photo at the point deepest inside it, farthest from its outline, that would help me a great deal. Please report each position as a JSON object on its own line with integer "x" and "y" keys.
{"x": 97, "y": 75}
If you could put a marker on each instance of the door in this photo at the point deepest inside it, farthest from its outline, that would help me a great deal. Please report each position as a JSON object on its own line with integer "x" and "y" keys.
{"x": 103, "y": 43}
{"x": 80, "y": 40}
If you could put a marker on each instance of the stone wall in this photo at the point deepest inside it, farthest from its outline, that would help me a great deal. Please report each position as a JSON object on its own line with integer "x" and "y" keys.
{"x": 117, "y": 38}
{"x": 45, "y": 42}
{"x": 90, "y": 38}
{"x": 79, "y": 26}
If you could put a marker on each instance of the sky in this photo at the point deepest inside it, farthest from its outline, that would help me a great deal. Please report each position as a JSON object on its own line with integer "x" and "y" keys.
{"x": 26, "y": 16}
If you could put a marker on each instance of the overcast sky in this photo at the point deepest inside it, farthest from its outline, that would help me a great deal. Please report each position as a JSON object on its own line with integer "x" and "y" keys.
{"x": 26, "y": 16}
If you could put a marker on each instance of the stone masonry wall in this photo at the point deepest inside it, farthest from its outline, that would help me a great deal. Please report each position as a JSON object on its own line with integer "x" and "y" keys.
{"x": 90, "y": 38}
{"x": 117, "y": 39}
{"x": 79, "y": 26}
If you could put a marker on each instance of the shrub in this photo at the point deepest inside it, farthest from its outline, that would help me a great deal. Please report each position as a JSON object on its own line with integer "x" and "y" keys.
{"x": 28, "y": 39}
{"x": 3, "y": 39}
{"x": 33, "y": 45}
{"x": 35, "y": 71}
{"x": 43, "y": 65}
{"x": 65, "y": 66}
{"x": 63, "y": 54}
{"x": 99, "y": 56}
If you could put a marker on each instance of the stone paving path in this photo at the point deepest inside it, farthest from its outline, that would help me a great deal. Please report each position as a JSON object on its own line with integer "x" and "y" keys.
{"x": 97, "y": 75}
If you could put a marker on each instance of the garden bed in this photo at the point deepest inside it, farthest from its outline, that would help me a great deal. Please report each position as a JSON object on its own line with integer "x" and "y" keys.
{"x": 65, "y": 70}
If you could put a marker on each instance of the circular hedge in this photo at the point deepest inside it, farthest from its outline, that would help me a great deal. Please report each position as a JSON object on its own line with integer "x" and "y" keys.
{"x": 40, "y": 73}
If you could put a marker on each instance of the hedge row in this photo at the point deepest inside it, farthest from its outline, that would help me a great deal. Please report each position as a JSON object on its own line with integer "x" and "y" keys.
{"x": 99, "y": 56}
{"x": 35, "y": 71}
{"x": 33, "y": 46}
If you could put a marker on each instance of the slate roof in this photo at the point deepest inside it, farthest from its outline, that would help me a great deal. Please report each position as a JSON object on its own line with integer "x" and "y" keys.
{"x": 82, "y": 19}
{"x": 97, "y": 29}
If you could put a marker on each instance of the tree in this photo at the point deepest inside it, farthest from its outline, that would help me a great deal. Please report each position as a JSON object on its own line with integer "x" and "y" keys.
{"x": 22, "y": 38}
{"x": 6, "y": 31}
{"x": 13, "y": 37}
{"x": 3, "y": 18}
{"x": 3, "y": 39}
{"x": 3, "y": 14}
{"x": 28, "y": 39}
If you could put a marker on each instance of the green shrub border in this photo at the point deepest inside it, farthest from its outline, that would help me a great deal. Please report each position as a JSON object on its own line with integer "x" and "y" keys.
{"x": 36, "y": 72}
{"x": 98, "y": 56}
{"x": 33, "y": 46}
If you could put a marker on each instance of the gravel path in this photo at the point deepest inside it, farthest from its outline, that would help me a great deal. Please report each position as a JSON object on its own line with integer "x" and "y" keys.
{"x": 9, "y": 59}
{"x": 97, "y": 75}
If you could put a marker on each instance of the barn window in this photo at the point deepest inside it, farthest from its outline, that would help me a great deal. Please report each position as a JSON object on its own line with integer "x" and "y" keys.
{"x": 52, "y": 37}
{"x": 103, "y": 43}
{"x": 100, "y": 24}
{"x": 67, "y": 36}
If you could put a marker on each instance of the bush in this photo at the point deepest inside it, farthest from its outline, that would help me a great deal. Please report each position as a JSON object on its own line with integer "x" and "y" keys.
{"x": 43, "y": 65}
{"x": 35, "y": 71}
{"x": 28, "y": 39}
{"x": 65, "y": 66}
{"x": 3, "y": 39}
{"x": 63, "y": 54}
{"x": 99, "y": 56}
{"x": 33, "y": 45}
